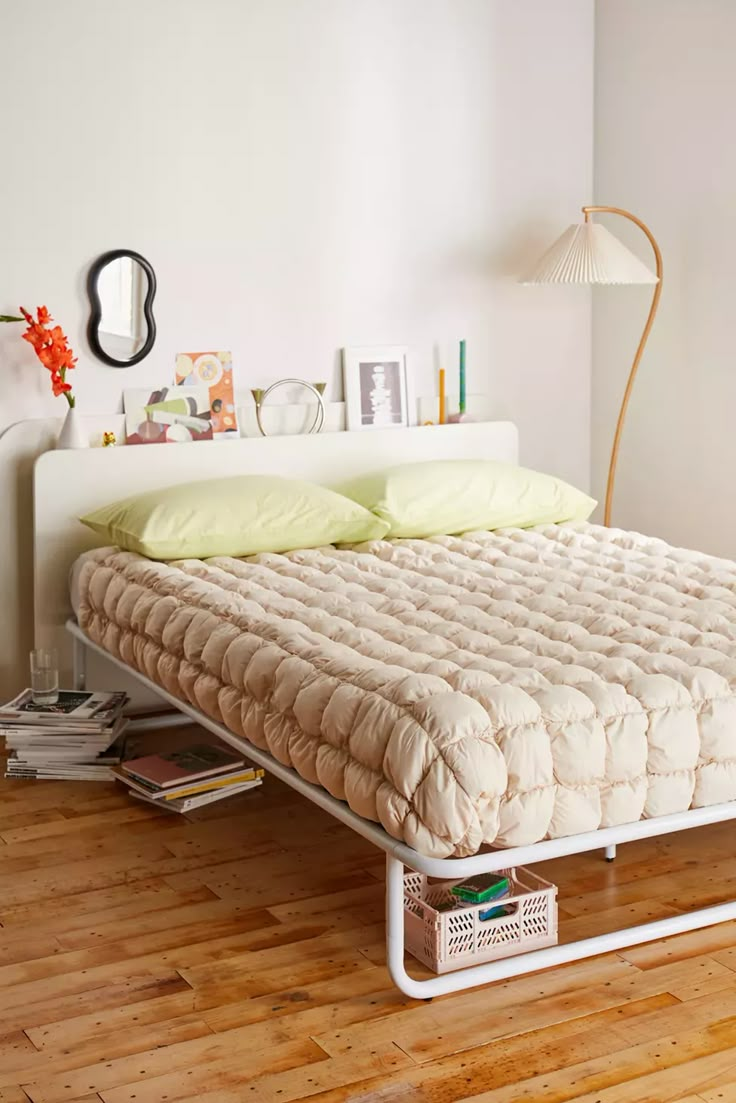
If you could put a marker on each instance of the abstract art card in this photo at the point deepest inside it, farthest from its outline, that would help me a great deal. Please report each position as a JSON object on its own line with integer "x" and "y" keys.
{"x": 171, "y": 415}
{"x": 215, "y": 371}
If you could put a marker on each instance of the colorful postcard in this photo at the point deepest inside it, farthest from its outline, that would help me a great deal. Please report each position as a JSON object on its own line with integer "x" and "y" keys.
{"x": 171, "y": 415}
{"x": 215, "y": 371}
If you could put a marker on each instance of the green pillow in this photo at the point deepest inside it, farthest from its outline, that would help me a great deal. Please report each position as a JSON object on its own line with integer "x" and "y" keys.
{"x": 241, "y": 515}
{"x": 447, "y": 496}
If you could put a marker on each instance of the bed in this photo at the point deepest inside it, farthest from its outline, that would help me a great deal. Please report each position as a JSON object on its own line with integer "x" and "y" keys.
{"x": 540, "y": 692}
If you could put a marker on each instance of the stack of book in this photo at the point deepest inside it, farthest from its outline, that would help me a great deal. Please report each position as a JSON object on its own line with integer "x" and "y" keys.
{"x": 189, "y": 777}
{"x": 78, "y": 738}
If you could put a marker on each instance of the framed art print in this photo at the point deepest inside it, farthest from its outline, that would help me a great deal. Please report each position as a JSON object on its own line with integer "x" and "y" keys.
{"x": 213, "y": 370}
{"x": 377, "y": 387}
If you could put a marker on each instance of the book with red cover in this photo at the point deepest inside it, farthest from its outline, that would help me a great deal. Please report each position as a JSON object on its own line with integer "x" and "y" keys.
{"x": 187, "y": 764}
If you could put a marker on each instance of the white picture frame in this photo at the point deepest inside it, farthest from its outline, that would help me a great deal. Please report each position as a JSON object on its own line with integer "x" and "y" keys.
{"x": 378, "y": 391}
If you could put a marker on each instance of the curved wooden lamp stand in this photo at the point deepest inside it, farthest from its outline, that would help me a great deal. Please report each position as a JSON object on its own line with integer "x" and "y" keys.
{"x": 587, "y": 211}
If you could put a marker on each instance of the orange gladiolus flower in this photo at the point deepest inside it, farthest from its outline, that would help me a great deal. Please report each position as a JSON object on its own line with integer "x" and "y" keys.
{"x": 52, "y": 349}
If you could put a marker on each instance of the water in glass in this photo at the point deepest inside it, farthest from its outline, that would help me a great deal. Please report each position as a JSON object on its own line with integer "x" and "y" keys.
{"x": 44, "y": 676}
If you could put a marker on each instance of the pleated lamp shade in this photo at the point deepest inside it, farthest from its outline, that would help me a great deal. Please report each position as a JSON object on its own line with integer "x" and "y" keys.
{"x": 588, "y": 253}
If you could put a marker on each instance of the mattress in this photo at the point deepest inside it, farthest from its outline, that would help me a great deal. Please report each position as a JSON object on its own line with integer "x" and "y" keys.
{"x": 495, "y": 688}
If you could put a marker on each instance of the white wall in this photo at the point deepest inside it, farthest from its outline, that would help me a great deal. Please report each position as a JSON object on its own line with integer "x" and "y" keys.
{"x": 302, "y": 174}
{"x": 305, "y": 175}
{"x": 665, "y": 96}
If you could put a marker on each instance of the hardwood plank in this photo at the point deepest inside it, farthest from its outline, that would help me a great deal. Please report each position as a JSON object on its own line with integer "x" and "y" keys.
{"x": 24, "y": 884}
{"x": 68, "y": 828}
{"x": 101, "y": 906}
{"x": 447, "y": 1079}
{"x": 641, "y": 858}
{"x": 720, "y": 983}
{"x": 720, "y": 1093}
{"x": 297, "y": 1022}
{"x": 346, "y": 993}
{"x": 184, "y": 1061}
{"x": 207, "y": 919}
{"x": 234, "y": 964}
{"x": 148, "y": 836}
{"x": 365, "y": 898}
{"x": 481, "y": 1075}
{"x": 726, "y": 957}
{"x": 288, "y": 831}
{"x": 426, "y": 1034}
{"x": 671, "y": 1066}
{"x": 14, "y": 1095}
{"x": 53, "y": 1000}
{"x": 16, "y": 1046}
{"x": 234, "y": 1072}
{"x": 682, "y": 946}
{"x": 201, "y": 942}
{"x": 34, "y": 796}
{"x": 265, "y": 893}
{"x": 265, "y": 967}
{"x": 704, "y": 888}
{"x": 103, "y": 1047}
{"x": 497, "y": 1008}
{"x": 611, "y": 919}
{"x": 11, "y": 820}
{"x": 74, "y": 1030}
{"x": 16, "y": 947}
{"x": 712, "y": 1073}
{"x": 276, "y": 878}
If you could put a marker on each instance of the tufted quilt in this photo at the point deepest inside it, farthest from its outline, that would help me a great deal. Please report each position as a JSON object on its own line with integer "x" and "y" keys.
{"x": 495, "y": 688}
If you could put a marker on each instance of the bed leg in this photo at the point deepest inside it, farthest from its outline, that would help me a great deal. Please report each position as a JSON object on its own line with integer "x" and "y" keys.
{"x": 79, "y": 664}
{"x": 610, "y": 852}
{"x": 395, "y": 931}
{"x": 434, "y": 986}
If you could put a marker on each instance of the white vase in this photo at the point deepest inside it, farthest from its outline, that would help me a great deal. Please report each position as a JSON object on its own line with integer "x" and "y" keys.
{"x": 72, "y": 433}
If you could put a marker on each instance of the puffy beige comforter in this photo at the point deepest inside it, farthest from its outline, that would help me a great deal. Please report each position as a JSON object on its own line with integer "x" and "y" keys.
{"x": 493, "y": 688}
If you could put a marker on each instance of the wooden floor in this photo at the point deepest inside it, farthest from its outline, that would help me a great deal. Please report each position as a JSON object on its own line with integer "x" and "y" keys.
{"x": 238, "y": 955}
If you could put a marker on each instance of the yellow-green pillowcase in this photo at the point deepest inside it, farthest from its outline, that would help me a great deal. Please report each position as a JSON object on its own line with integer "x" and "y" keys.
{"x": 241, "y": 515}
{"x": 451, "y": 496}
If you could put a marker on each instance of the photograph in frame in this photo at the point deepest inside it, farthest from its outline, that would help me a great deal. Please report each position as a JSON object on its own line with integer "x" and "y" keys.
{"x": 376, "y": 387}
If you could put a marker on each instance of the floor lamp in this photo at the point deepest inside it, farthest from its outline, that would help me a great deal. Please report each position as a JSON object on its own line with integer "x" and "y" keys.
{"x": 588, "y": 253}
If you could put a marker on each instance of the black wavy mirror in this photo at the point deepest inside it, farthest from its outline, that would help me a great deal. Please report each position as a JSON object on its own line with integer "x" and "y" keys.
{"x": 121, "y": 286}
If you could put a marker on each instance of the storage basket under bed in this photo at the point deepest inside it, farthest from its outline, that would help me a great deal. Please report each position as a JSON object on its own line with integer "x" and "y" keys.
{"x": 446, "y": 940}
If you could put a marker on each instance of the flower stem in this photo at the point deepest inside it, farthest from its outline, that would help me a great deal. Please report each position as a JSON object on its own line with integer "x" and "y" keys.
{"x": 70, "y": 399}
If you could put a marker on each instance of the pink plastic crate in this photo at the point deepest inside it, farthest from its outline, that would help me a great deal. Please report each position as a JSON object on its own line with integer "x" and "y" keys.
{"x": 446, "y": 940}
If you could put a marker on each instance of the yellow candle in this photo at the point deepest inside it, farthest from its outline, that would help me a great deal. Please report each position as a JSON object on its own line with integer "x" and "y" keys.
{"x": 442, "y": 396}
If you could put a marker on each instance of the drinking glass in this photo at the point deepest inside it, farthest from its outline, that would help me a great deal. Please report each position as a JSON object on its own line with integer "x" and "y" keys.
{"x": 44, "y": 676}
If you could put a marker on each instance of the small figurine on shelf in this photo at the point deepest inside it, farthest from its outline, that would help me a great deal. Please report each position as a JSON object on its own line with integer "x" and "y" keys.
{"x": 109, "y": 440}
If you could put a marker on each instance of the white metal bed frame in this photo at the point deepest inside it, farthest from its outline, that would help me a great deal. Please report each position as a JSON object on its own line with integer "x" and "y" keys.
{"x": 399, "y": 855}
{"x": 55, "y": 514}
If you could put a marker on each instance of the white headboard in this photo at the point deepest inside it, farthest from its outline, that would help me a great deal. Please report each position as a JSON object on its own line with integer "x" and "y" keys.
{"x": 68, "y": 484}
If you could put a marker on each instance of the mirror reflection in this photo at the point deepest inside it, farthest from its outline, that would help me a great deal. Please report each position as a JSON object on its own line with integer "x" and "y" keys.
{"x": 122, "y": 285}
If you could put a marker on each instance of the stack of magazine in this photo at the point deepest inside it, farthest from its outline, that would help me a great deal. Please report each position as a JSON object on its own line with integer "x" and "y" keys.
{"x": 78, "y": 738}
{"x": 189, "y": 777}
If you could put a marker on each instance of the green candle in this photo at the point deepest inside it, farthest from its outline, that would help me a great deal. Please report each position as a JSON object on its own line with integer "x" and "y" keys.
{"x": 462, "y": 377}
